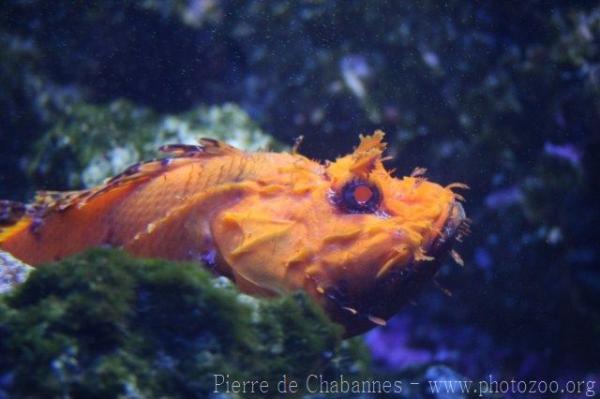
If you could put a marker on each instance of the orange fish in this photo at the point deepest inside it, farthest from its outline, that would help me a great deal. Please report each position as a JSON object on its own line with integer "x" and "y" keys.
{"x": 356, "y": 239}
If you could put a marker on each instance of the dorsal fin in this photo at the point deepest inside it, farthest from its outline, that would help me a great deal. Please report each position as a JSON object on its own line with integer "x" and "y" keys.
{"x": 206, "y": 146}
{"x": 14, "y": 214}
{"x": 180, "y": 154}
{"x": 130, "y": 177}
{"x": 55, "y": 199}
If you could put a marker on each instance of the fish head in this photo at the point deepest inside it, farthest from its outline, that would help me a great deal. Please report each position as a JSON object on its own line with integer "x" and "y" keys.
{"x": 357, "y": 239}
{"x": 413, "y": 215}
{"x": 386, "y": 236}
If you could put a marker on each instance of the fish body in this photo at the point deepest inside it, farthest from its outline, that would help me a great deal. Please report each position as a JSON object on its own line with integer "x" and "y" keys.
{"x": 356, "y": 239}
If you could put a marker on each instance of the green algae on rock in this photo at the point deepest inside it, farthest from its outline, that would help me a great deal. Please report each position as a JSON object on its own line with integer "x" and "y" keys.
{"x": 103, "y": 324}
{"x": 92, "y": 142}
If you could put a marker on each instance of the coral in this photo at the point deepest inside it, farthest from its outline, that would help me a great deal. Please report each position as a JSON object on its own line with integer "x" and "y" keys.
{"x": 102, "y": 325}
{"x": 12, "y": 272}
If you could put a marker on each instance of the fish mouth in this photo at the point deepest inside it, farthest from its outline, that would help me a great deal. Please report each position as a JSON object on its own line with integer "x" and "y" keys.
{"x": 454, "y": 229}
{"x": 361, "y": 311}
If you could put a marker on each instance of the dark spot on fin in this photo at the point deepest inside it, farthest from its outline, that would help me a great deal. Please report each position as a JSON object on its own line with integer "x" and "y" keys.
{"x": 206, "y": 147}
{"x": 181, "y": 150}
{"x": 134, "y": 174}
{"x": 209, "y": 142}
{"x": 216, "y": 147}
{"x": 132, "y": 170}
{"x": 59, "y": 200}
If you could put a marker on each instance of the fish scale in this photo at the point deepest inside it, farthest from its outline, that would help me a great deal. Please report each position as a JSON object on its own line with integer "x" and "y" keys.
{"x": 156, "y": 197}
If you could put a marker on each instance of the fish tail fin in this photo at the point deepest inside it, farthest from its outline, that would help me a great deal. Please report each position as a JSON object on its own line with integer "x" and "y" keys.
{"x": 13, "y": 219}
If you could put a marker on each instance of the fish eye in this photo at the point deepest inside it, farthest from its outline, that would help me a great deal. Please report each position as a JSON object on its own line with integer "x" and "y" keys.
{"x": 358, "y": 196}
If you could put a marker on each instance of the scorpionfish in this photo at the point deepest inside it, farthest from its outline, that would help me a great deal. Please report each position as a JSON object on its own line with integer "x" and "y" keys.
{"x": 356, "y": 239}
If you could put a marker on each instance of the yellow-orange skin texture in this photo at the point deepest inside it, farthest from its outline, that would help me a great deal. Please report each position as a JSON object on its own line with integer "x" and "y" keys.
{"x": 267, "y": 220}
